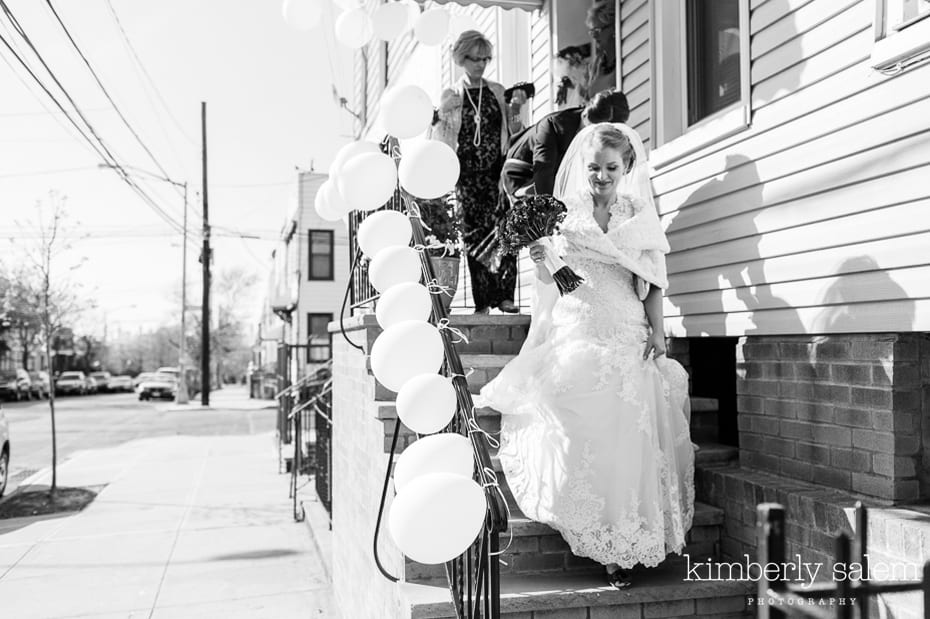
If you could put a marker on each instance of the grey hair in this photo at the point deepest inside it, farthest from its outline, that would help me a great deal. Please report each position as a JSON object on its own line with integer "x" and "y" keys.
{"x": 468, "y": 41}
{"x": 601, "y": 13}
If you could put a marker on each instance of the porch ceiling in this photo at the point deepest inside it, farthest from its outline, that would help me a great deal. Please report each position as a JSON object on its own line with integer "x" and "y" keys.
{"x": 526, "y": 5}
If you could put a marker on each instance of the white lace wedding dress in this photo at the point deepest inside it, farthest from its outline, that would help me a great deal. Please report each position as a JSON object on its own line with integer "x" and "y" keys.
{"x": 595, "y": 440}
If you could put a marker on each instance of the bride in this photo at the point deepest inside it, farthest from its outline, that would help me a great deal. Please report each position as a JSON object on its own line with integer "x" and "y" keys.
{"x": 595, "y": 437}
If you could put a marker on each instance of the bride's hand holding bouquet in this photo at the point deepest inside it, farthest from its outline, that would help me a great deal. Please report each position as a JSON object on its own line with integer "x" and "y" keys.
{"x": 529, "y": 223}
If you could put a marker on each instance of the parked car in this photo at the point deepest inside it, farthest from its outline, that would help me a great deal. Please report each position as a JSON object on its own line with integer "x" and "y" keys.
{"x": 140, "y": 378}
{"x": 71, "y": 382}
{"x": 91, "y": 384}
{"x": 39, "y": 385}
{"x": 122, "y": 382}
{"x": 4, "y": 451}
{"x": 15, "y": 385}
{"x": 101, "y": 380}
{"x": 159, "y": 386}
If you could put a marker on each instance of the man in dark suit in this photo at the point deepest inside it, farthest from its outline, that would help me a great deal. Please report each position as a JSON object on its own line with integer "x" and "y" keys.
{"x": 555, "y": 132}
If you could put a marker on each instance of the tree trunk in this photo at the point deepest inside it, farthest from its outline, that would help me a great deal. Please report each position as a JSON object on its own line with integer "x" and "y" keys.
{"x": 51, "y": 408}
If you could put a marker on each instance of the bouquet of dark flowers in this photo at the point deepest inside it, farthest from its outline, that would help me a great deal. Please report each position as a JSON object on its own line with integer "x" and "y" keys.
{"x": 531, "y": 220}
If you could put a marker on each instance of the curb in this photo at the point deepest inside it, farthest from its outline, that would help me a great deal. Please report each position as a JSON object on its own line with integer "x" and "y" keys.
{"x": 321, "y": 533}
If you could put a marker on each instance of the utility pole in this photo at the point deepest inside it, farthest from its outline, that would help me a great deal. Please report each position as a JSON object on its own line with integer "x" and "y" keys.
{"x": 183, "y": 397}
{"x": 205, "y": 258}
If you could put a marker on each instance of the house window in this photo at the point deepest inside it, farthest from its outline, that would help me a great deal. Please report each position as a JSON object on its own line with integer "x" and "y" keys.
{"x": 319, "y": 340}
{"x": 713, "y": 56}
{"x": 902, "y": 34}
{"x": 321, "y": 255}
{"x": 700, "y": 75}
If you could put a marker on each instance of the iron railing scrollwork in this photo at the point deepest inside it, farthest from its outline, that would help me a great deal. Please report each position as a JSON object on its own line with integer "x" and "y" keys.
{"x": 310, "y": 420}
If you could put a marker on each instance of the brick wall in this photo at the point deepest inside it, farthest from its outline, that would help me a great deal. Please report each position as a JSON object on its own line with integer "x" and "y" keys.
{"x": 844, "y": 411}
{"x": 359, "y": 463}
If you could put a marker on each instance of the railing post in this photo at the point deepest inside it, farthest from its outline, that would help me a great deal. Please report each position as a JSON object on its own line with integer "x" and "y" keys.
{"x": 770, "y": 531}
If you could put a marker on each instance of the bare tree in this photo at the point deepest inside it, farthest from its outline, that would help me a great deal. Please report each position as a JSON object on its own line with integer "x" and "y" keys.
{"x": 43, "y": 243}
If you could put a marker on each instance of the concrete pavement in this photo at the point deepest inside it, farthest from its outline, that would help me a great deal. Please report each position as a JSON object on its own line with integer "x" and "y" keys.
{"x": 184, "y": 526}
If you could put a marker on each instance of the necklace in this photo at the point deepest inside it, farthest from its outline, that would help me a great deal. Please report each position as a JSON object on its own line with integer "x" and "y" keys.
{"x": 476, "y": 140}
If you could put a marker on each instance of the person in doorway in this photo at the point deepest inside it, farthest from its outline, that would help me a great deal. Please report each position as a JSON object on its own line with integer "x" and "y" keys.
{"x": 473, "y": 119}
{"x": 555, "y": 132}
{"x": 594, "y": 417}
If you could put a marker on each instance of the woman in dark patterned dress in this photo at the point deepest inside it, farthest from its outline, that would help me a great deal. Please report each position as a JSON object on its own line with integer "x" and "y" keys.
{"x": 475, "y": 121}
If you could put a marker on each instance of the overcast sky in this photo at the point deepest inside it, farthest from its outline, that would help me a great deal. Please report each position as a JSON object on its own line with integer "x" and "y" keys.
{"x": 270, "y": 110}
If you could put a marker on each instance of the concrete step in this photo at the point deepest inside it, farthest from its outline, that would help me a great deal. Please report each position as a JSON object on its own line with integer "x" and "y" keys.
{"x": 662, "y": 591}
{"x": 532, "y": 547}
{"x": 704, "y": 420}
{"x": 711, "y": 454}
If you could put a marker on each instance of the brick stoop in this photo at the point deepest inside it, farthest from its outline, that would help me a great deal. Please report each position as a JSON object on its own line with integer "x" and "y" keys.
{"x": 656, "y": 592}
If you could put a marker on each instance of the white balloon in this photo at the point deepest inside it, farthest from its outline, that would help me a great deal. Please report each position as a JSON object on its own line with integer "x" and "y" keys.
{"x": 353, "y": 28}
{"x": 367, "y": 181}
{"x": 429, "y": 169}
{"x": 405, "y": 301}
{"x": 437, "y": 517}
{"x": 459, "y": 23}
{"x": 405, "y": 350}
{"x": 302, "y": 14}
{"x": 322, "y": 205}
{"x": 413, "y": 10}
{"x": 347, "y": 152}
{"x": 426, "y": 404}
{"x": 337, "y": 203}
{"x": 394, "y": 265}
{"x": 390, "y": 20}
{"x": 406, "y": 111}
{"x": 348, "y": 5}
{"x": 439, "y": 453}
{"x": 383, "y": 229}
{"x": 432, "y": 26}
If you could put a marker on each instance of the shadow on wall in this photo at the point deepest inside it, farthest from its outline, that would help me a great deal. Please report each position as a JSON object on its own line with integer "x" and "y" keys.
{"x": 740, "y": 268}
{"x": 841, "y": 314}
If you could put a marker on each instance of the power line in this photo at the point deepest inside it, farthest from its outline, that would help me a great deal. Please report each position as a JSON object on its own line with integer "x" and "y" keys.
{"x": 104, "y": 90}
{"x": 97, "y": 143}
{"x": 148, "y": 77}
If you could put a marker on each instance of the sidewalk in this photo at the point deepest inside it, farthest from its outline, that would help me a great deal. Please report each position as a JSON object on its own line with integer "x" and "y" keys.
{"x": 230, "y": 397}
{"x": 185, "y": 527}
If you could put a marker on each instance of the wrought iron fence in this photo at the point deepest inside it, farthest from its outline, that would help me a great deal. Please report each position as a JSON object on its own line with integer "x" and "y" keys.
{"x": 312, "y": 397}
{"x": 777, "y": 598}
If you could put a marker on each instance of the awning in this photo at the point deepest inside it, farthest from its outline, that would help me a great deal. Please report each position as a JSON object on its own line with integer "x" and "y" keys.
{"x": 526, "y": 5}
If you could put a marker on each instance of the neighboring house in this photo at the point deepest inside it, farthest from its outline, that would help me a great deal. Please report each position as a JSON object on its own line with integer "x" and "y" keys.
{"x": 310, "y": 269}
{"x": 323, "y": 259}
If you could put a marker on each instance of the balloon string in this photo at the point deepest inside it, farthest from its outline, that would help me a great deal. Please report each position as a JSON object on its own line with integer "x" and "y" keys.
{"x": 444, "y": 324}
{"x": 465, "y": 375}
{"x": 435, "y": 287}
{"x": 421, "y": 247}
{"x": 473, "y": 426}
{"x": 494, "y": 483}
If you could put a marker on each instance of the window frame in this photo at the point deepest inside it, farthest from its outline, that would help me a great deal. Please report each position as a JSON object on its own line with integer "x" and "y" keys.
{"x": 672, "y": 136}
{"x": 310, "y": 255}
{"x": 310, "y": 345}
{"x": 894, "y": 44}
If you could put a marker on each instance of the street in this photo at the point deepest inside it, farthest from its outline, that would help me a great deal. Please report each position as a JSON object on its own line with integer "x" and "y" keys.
{"x": 108, "y": 420}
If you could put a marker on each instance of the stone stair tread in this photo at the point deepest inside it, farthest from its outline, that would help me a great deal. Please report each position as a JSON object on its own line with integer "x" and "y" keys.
{"x": 531, "y": 592}
{"x": 484, "y": 360}
{"x": 711, "y": 453}
{"x": 700, "y": 404}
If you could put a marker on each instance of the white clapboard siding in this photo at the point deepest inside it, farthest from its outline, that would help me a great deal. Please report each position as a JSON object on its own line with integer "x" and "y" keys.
{"x": 541, "y": 61}
{"x": 877, "y": 192}
{"x": 859, "y": 228}
{"x": 844, "y": 26}
{"x": 889, "y": 253}
{"x": 850, "y": 288}
{"x": 634, "y": 64}
{"x": 816, "y": 219}
{"x": 852, "y": 50}
{"x": 765, "y": 13}
{"x": 778, "y": 126}
{"x": 875, "y": 317}
{"x": 860, "y": 142}
{"x": 794, "y": 24}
